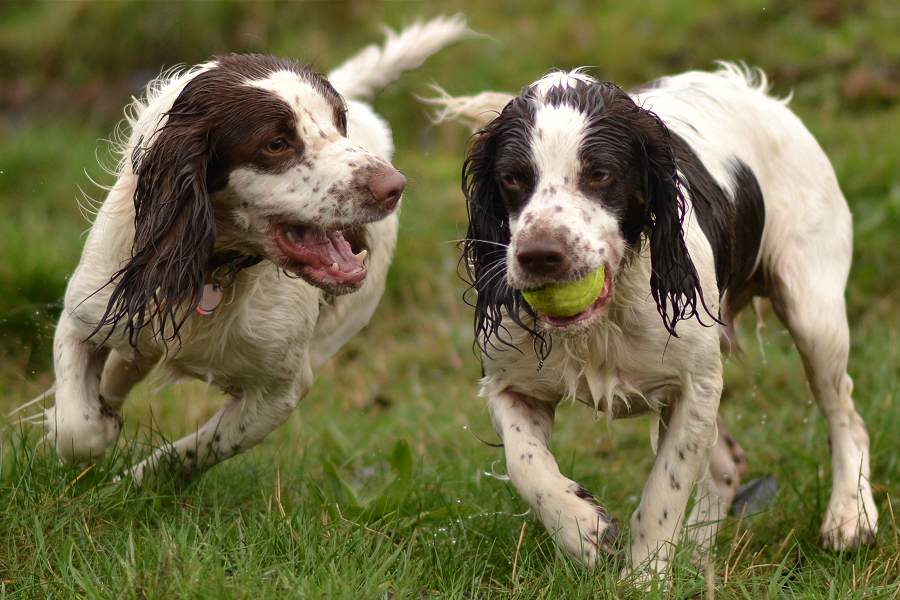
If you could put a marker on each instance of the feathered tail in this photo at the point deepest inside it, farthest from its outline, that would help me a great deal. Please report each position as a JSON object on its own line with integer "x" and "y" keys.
{"x": 374, "y": 67}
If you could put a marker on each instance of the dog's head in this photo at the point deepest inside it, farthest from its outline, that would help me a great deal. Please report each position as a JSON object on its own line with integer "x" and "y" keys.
{"x": 253, "y": 156}
{"x": 572, "y": 175}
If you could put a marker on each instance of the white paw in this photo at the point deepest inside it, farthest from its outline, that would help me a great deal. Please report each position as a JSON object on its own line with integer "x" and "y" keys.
{"x": 851, "y": 521}
{"x": 580, "y": 526}
{"x": 82, "y": 435}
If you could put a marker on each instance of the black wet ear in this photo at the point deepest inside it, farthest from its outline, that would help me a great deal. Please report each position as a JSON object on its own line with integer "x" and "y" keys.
{"x": 674, "y": 283}
{"x": 488, "y": 236}
{"x": 174, "y": 232}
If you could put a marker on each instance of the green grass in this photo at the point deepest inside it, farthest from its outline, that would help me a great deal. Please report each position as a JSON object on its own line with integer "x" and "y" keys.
{"x": 376, "y": 488}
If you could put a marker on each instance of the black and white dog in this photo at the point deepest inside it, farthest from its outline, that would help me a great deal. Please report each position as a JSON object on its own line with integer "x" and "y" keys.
{"x": 697, "y": 192}
{"x": 246, "y": 239}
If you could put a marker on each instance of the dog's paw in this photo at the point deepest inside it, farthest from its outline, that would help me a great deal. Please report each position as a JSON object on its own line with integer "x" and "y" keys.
{"x": 850, "y": 523}
{"x": 82, "y": 435}
{"x": 581, "y": 527}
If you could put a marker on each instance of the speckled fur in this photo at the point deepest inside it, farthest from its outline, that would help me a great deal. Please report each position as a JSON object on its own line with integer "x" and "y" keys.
{"x": 626, "y": 362}
{"x": 271, "y": 332}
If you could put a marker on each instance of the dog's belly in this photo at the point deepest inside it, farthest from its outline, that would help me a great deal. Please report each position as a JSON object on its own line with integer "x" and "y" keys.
{"x": 602, "y": 389}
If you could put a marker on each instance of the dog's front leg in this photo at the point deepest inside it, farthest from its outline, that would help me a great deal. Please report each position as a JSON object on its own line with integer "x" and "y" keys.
{"x": 571, "y": 515}
{"x": 245, "y": 420}
{"x": 682, "y": 457}
{"x": 80, "y": 424}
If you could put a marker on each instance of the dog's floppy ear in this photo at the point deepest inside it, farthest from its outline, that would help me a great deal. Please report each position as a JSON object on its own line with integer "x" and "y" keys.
{"x": 174, "y": 231}
{"x": 488, "y": 235}
{"x": 674, "y": 283}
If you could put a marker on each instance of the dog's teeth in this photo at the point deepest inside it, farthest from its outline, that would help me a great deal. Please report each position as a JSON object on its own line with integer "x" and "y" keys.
{"x": 334, "y": 266}
{"x": 361, "y": 257}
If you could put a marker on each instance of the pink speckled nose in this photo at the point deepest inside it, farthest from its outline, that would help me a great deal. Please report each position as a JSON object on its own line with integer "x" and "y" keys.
{"x": 386, "y": 185}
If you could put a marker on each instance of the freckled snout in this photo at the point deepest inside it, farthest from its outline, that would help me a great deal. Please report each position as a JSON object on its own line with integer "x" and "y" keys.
{"x": 386, "y": 185}
{"x": 543, "y": 257}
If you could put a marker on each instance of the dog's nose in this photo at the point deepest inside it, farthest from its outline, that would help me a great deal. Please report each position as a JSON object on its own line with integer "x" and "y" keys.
{"x": 542, "y": 257}
{"x": 386, "y": 186}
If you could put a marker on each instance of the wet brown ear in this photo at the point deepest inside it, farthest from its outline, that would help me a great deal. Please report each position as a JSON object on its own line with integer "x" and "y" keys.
{"x": 174, "y": 232}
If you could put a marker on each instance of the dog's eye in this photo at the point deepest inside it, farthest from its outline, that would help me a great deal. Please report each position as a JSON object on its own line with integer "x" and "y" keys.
{"x": 510, "y": 181}
{"x": 599, "y": 179}
{"x": 277, "y": 146}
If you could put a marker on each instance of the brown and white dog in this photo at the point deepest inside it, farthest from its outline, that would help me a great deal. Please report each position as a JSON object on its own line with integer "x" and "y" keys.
{"x": 696, "y": 192}
{"x": 246, "y": 239}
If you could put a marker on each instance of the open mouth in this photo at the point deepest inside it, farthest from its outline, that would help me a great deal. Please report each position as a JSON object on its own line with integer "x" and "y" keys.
{"x": 333, "y": 260}
{"x": 596, "y": 307}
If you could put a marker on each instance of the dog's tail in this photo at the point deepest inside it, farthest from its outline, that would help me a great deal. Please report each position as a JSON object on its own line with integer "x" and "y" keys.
{"x": 472, "y": 111}
{"x": 372, "y": 69}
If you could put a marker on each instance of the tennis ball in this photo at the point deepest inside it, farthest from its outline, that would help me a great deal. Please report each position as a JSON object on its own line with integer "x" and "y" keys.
{"x": 567, "y": 299}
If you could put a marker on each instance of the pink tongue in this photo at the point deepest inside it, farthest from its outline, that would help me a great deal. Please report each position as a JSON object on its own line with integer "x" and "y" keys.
{"x": 322, "y": 249}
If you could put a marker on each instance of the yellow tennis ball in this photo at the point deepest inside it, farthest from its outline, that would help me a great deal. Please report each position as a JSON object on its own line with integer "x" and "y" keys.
{"x": 567, "y": 299}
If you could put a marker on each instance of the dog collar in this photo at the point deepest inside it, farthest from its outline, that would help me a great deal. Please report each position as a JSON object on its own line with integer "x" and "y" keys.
{"x": 222, "y": 269}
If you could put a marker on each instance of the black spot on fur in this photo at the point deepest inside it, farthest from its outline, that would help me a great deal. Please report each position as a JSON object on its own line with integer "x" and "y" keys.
{"x": 674, "y": 482}
{"x": 733, "y": 227}
{"x": 583, "y": 493}
{"x": 749, "y": 220}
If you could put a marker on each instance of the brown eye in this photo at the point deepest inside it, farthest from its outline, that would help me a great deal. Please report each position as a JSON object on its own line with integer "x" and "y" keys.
{"x": 510, "y": 181}
{"x": 277, "y": 146}
{"x": 599, "y": 179}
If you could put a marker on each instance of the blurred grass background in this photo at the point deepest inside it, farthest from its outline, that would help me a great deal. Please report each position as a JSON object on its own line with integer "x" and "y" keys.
{"x": 376, "y": 488}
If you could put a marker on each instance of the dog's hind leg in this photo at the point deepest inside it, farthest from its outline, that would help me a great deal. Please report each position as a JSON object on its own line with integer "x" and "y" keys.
{"x": 245, "y": 420}
{"x": 119, "y": 376}
{"x": 807, "y": 293}
{"x": 716, "y": 491}
{"x": 80, "y": 423}
{"x": 571, "y": 515}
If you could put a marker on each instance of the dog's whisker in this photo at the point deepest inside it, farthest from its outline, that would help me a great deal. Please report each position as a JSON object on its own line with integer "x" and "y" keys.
{"x": 33, "y": 401}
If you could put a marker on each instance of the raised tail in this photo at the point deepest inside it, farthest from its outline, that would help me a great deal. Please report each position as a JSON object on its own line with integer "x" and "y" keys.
{"x": 374, "y": 67}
